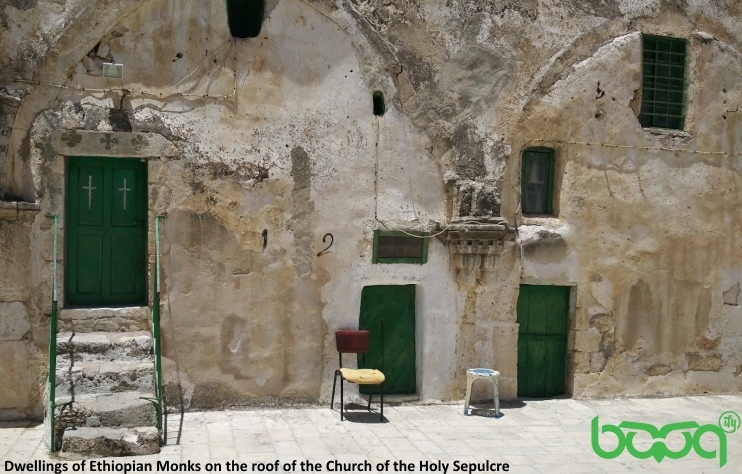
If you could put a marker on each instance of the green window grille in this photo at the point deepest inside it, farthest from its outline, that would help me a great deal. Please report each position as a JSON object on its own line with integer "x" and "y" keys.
{"x": 537, "y": 181}
{"x": 400, "y": 247}
{"x": 663, "y": 82}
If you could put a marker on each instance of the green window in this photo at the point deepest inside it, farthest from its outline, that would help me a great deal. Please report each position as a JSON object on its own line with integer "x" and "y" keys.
{"x": 400, "y": 247}
{"x": 537, "y": 181}
{"x": 663, "y": 82}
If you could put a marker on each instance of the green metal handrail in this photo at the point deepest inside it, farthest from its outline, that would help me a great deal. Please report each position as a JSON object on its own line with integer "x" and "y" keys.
{"x": 52, "y": 377}
{"x": 156, "y": 341}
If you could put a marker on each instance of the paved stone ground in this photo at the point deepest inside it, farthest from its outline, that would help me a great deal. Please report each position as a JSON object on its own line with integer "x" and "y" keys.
{"x": 532, "y": 436}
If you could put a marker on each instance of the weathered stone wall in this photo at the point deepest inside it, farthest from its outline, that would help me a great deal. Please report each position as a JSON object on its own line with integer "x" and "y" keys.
{"x": 275, "y": 136}
{"x": 645, "y": 224}
{"x": 22, "y": 338}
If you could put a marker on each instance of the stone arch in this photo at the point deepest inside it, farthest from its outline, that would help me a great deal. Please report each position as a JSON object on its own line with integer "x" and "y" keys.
{"x": 88, "y": 25}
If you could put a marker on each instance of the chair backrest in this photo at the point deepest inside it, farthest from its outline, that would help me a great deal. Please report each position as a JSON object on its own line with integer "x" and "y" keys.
{"x": 352, "y": 341}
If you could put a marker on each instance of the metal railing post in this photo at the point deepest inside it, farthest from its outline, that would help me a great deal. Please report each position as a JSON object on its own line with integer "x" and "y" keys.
{"x": 156, "y": 326}
{"x": 52, "y": 376}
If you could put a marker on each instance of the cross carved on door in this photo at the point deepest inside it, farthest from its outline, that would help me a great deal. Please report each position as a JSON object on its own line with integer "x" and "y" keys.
{"x": 89, "y": 188}
{"x": 124, "y": 189}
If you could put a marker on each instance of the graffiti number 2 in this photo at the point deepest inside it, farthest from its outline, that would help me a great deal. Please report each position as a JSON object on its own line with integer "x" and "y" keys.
{"x": 332, "y": 239}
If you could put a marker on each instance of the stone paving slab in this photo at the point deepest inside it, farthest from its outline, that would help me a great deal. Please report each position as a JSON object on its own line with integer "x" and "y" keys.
{"x": 532, "y": 436}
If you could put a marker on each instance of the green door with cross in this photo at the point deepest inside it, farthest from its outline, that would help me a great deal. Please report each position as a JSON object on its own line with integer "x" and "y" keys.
{"x": 542, "y": 340}
{"x": 391, "y": 307}
{"x": 106, "y": 232}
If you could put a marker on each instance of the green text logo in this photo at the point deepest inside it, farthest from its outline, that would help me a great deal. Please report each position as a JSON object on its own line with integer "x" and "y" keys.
{"x": 692, "y": 432}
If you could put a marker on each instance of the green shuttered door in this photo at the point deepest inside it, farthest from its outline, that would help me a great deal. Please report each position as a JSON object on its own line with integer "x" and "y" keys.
{"x": 542, "y": 340}
{"x": 106, "y": 231}
{"x": 395, "y": 305}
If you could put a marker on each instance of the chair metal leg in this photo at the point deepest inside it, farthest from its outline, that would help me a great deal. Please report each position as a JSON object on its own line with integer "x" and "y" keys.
{"x": 381, "y": 417}
{"x": 370, "y": 396}
{"x": 342, "y": 400}
{"x": 334, "y": 382}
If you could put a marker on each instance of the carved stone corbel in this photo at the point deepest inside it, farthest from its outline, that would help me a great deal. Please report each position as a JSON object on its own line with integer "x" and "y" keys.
{"x": 475, "y": 245}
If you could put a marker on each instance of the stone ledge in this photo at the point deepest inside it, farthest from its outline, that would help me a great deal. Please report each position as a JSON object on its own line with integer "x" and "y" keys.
{"x": 483, "y": 236}
{"x": 112, "y": 144}
{"x": 668, "y": 132}
{"x": 475, "y": 244}
{"x": 85, "y": 442}
{"x": 18, "y": 210}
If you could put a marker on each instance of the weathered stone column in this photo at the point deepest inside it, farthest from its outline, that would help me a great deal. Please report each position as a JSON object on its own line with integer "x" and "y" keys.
{"x": 487, "y": 332}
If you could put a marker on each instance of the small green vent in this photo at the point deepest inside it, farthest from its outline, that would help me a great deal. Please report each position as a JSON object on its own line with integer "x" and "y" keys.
{"x": 400, "y": 247}
{"x": 245, "y": 17}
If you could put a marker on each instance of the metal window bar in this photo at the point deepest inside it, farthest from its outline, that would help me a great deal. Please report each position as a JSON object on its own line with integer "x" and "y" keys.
{"x": 663, "y": 82}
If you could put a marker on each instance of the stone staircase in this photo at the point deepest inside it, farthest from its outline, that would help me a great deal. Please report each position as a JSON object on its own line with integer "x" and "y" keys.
{"x": 105, "y": 368}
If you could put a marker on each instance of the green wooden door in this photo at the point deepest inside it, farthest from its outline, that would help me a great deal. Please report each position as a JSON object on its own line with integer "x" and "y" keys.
{"x": 542, "y": 340}
{"x": 395, "y": 306}
{"x": 106, "y": 231}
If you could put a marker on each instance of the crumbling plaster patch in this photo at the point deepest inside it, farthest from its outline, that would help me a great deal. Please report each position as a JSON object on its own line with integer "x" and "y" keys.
{"x": 731, "y": 295}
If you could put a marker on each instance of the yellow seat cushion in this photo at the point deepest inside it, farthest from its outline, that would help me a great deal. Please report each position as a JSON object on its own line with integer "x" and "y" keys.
{"x": 362, "y": 376}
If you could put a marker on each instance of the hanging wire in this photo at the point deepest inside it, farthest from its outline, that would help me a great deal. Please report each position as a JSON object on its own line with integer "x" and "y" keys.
{"x": 448, "y": 226}
{"x": 141, "y": 92}
{"x": 160, "y": 95}
{"x": 649, "y": 148}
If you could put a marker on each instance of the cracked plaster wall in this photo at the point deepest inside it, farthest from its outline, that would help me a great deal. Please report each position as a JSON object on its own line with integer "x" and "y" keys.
{"x": 273, "y": 130}
{"x": 645, "y": 229}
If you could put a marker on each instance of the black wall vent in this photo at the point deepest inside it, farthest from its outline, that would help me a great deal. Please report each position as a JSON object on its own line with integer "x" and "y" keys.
{"x": 245, "y": 17}
{"x": 379, "y": 106}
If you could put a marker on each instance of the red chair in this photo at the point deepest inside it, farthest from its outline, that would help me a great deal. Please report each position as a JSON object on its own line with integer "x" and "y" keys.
{"x": 356, "y": 342}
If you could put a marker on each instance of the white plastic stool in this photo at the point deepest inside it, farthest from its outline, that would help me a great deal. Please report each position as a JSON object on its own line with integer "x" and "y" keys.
{"x": 493, "y": 375}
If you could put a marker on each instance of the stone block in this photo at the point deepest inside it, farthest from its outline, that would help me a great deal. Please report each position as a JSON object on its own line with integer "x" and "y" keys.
{"x": 597, "y": 362}
{"x": 13, "y": 321}
{"x": 14, "y": 294}
{"x": 46, "y": 247}
{"x": 506, "y": 349}
{"x": 508, "y": 388}
{"x": 124, "y": 409}
{"x": 580, "y": 320}
{"x": 587, "y": 341}
{"x": 16, "y": 376}
{"x": 86, "y": 442}
{"x": 582, "y": 382}
{"x": 15, "y": 256}
{"x": 703, "y": 362}
{"x": 105, "y": 377}
{"x": 581, "y": 362}
{"x": 601, "y": 322}
{"x": 658, "y": 369}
